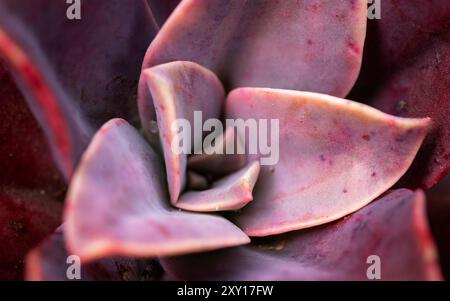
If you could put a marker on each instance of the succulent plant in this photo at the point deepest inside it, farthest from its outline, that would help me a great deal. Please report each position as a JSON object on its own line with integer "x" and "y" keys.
{"x": 88, "y": 166}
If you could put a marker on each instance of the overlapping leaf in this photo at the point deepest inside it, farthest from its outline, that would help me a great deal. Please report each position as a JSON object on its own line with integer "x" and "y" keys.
{"x": 117, "y": 204}
{"x": 179, "y": 91}
{"x": 51, "y": 262}
{"x": 76, "y": 74}
{"x": 335, "y": 157}
{"x": 394, "y": 228}
{"x": 305, "y": 45}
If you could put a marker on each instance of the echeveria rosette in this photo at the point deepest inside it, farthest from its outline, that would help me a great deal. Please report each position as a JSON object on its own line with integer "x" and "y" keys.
{"x": 363, "y": 154}
{"x": 131, "y": 198}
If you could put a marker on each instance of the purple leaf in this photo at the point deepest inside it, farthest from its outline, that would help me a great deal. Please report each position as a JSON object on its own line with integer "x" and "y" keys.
{"x": 65, "y": 140}
{"x": 49, "y": 262}
{"x": 117, "y": 204}
{"x": 394, "y": 228}
{"x": 76, "y": 74}
{"x": 335, "y": 157}
{"x": 305, "y": 45}
{"x": 229, "y": 193}
{"x": 178, "y": 89}
{"x": 23, "y": 146}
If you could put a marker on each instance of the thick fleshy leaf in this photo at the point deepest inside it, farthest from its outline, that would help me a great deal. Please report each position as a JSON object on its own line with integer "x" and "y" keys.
{"x": 229, "y": 193}
{"x": 50, "y": 262}
{"x": 117, "y": 204}
{"x": 76, "y": 74}
{"x": 308, "y": 45}
{"x": 177, "y": 91}
{"x": 30, "y": 183}
{"x": 26, "y": 217}
{"x": 65, "y": 140}
{"x": 406, "y": 74}
{"x": 394, "y": 228}
{"x": 215, "y": 160}
{"x": 335, "y": 156}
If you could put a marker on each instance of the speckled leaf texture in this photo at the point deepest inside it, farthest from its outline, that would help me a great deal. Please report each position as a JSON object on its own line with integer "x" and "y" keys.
{"x": 241, "y": 42}
{"x": 90, "y": 109}
{"x": 335, "y": 157}
{"x": 178, "y": 89}
{"x": 394, "y": 227}
{"x": 31, "y": 187}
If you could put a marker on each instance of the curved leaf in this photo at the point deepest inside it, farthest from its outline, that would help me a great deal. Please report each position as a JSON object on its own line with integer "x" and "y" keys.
{"x": 178, "y": 90}
{"x": 116, "y": 204}
{"x": 229, "y": 193}
{"x": 405, "y": 73}
{"x": 306, "y": 45}
{"x": 30, "y": 183}
{"x": 23, "y": 146}
{"x": 50, "y": 262}
{"x": 394, "y": 228}
{"x": 76, "y": 74}
{"x": 335, "y": 156}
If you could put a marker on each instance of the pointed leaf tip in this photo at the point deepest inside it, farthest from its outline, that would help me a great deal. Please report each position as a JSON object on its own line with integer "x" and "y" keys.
{"x": 117, "y": 204}
{"x": 335, "y": 156}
